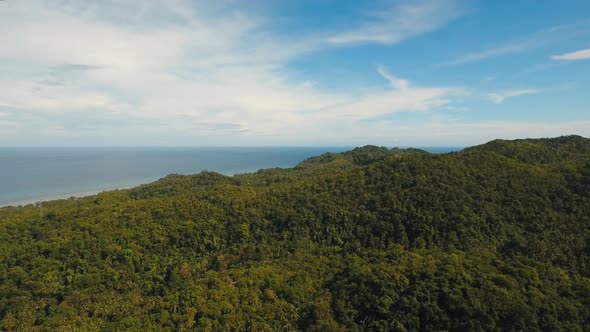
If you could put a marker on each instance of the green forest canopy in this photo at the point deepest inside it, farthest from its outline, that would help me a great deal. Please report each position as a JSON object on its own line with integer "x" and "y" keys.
{"x": 495, "y": 237}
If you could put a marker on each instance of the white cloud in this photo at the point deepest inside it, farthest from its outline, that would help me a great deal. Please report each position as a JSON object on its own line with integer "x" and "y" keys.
{"x": 165, "y": 72}
{"x": 411, "y": 100}
{"x": 577, "y": 55}
{"x": 50, "y": 98}
{"x": 492, "y": 52}
{"x": 400, "y": 21}
{"x": 396, "y": 83}
{"x": 500, "y": 97}
{"x": 8, "y": 129}
{"x": 180, "y": 72}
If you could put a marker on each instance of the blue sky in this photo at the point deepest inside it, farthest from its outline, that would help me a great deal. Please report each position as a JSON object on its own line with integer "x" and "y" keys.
{"x": 316, "y": 73}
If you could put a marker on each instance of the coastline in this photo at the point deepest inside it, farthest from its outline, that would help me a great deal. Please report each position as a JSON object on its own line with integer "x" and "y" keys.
{"x": 56, "y": 197}
{"x": 82, "y": 194}
{"x": 125, "y": 168}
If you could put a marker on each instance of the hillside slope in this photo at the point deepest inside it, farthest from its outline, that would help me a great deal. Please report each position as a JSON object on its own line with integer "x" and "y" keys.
{"x": 496, "y": 237}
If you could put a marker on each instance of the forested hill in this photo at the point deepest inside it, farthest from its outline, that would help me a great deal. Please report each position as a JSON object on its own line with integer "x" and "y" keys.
{"x": 540, "y": 151}
{"x": 492, "y": 238}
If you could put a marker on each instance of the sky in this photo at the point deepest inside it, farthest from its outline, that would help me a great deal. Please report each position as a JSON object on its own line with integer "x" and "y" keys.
{"x": 292, "y": 72}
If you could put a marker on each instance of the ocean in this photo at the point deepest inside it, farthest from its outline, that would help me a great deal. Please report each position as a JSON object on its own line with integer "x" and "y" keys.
{"x": 28, "y": 175}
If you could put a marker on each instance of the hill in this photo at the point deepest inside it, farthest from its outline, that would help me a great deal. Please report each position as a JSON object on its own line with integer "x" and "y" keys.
{"x": 496, "y": 237}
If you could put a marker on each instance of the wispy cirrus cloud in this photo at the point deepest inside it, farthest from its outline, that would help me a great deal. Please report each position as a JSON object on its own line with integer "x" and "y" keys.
{"x": 491, "y": 52}
{"x": 500, "y": 97}
{"x": 572, "y": 56}
{"x": 399, "y": 21}
{"x": 532, "y": 41}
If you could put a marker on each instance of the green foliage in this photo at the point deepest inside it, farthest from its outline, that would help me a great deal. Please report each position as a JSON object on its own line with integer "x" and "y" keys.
{"x": 496, "y": 237}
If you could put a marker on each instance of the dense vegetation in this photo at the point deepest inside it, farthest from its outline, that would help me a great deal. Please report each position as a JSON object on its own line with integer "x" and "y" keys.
{"x": 496, "y": 237}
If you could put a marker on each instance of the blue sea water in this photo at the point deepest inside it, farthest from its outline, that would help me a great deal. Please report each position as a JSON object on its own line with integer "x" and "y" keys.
{"x": 28, "y": 175}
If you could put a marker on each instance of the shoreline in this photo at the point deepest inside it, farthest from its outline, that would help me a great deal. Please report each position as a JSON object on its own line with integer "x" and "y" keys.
{"x": 79, "y": 194}
{"x": 228, "y": 172}
{"x": 82, "y": 194}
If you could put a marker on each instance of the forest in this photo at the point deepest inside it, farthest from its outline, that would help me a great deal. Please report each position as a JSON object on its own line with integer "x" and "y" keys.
{"x": 492, "y": 238}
